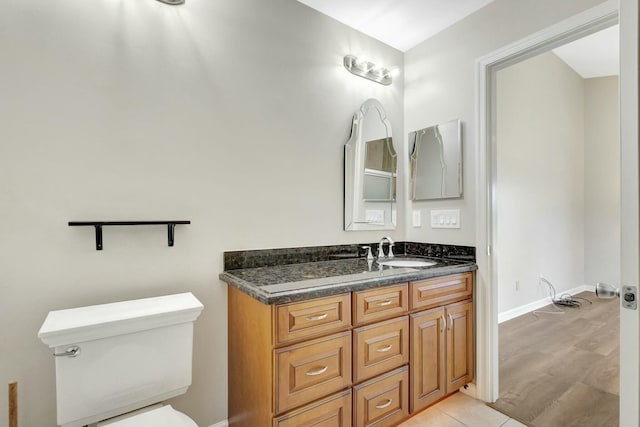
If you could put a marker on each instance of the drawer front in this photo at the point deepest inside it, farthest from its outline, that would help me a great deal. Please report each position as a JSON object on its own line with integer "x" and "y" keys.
{"x": 308, "y": 319}
{"x": 383, "y": 401}
{"x": 380, "y": 347}
{"x": 308, "y": 371}
{"x": 379, "y": 304}
{"x": 441, "y": 290}
{"x": 334, "y": 411}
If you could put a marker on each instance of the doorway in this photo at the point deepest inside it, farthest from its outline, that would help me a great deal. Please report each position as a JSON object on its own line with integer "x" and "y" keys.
{"x": 557, "y": 198}
{"x": 595, "y": 19}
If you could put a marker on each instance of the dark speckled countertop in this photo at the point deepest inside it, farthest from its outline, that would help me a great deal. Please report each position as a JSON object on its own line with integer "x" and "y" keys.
{"x": 330, "y": 274}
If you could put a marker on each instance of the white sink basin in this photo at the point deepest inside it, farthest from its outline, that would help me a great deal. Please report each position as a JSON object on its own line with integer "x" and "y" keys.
{"x": 404, "y": 262}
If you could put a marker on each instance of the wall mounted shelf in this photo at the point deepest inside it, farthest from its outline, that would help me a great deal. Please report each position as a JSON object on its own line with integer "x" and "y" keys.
{"x": 171, "y": 226}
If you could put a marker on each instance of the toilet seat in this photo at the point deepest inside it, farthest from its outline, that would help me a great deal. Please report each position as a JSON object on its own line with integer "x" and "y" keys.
{"x": 164, "y": 416}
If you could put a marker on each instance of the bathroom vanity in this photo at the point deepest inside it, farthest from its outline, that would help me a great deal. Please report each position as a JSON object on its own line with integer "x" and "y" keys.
{"x": 344, "y": 341}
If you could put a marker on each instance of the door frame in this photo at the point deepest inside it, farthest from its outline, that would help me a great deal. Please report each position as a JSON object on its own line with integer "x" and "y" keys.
{"x": 578, "y": 26}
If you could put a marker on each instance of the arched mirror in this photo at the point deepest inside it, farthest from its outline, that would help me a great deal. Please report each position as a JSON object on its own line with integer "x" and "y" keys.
{"x": 370, "y": 171}
{"x": 436, "y": 162}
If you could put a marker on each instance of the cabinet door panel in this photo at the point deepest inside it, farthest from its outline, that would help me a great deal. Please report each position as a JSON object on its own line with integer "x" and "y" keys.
{"x": 459, "y": 345}
{"x": 427, "y": 358}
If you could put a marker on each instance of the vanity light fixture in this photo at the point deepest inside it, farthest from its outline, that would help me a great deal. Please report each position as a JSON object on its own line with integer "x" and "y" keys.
{"x": 368, "y": 70}
{"x": 172, "y": 2}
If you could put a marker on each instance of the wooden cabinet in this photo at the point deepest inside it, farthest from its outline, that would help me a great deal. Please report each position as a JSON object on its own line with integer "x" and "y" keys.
{"x": 367, "y": 358}
{"x": 441, "y": 352}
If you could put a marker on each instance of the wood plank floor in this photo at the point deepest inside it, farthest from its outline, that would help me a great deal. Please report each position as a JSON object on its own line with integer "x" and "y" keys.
{"x": 562, "y": 369}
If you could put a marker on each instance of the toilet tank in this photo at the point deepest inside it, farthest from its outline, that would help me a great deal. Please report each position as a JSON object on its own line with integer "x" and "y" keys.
{"x": 131, "y": 354}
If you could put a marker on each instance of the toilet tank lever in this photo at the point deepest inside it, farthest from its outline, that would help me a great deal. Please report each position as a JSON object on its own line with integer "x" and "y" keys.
{"x": 72, "y": 351}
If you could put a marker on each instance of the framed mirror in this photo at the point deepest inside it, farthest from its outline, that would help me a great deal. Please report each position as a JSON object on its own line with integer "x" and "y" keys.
{"x": 370, "y": 171}
{"x": 436, "y": 162}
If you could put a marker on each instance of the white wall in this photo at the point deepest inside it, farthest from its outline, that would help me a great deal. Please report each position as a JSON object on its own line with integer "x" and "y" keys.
{"x": 602, "y": 181}
{"x": 540, "y": 179}
{"x": 440, "y": 85}
{"x": 232, "y": 114}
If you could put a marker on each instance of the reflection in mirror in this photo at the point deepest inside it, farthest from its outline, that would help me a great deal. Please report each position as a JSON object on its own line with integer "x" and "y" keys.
{"x": 436, "y": 162}
{"x": 370, "y": 171}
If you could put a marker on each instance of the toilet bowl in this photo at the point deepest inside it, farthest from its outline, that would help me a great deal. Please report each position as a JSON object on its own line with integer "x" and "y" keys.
{"x": 156, "y": 416}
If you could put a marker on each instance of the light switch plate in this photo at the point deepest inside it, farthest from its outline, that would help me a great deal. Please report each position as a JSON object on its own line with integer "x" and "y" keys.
{"x": 417, "y": 218}
{"x": 445, "y": 218}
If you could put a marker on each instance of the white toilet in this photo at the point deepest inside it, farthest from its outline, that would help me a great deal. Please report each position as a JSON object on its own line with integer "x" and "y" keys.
{"x": 115, "y": 361}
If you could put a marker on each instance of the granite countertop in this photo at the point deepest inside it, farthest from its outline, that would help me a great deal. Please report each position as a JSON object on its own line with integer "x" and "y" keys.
{"x": 277, "y": 284}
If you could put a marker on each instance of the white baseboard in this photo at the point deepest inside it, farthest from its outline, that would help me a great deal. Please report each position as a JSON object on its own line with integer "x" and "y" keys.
{"x": 223, "y": 423}
{"x": 532, "y": 306}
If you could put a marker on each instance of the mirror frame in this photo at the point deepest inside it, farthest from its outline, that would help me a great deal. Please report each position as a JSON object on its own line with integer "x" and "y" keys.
{"x": 355, "y": 149}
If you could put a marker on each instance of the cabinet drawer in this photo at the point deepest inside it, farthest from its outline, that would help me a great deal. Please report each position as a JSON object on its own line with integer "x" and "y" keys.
{"x": 382, "y": 401}
{"x": 334, "y": 411}
{"x": 378, "y": 304}
{"x": 441, "y": 290}
{"x": 311, "y": 370}
{"x": 380, "y": 347}
{"x": 312, "y": 318}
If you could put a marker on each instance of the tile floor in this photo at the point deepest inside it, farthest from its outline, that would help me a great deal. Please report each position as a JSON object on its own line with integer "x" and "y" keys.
{"x": 460, "y": 410}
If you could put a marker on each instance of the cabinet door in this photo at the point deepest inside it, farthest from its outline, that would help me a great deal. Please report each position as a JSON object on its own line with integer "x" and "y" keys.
{"x": 427, "y": 358}
{"x": 459, "y": 345}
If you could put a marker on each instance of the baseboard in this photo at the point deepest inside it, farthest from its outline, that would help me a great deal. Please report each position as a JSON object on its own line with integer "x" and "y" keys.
{"x": 535, "y": 305}
{"x": 223, "y": 423}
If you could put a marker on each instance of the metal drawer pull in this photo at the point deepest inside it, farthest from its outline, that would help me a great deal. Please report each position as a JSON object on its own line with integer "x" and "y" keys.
{"x": 72, "y": 351}
{"x": 450, "y": 321}
{"x": 385, "y": 404}
{"x": 444, "y": 322}
{"x": 385, "y": 349}
{"x": 383, "y": 303}
{"x": 318, "y": 371}
{"x": 318, "y": 317}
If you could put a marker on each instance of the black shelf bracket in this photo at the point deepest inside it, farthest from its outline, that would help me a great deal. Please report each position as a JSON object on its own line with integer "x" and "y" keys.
{"x": 171, "y": 227}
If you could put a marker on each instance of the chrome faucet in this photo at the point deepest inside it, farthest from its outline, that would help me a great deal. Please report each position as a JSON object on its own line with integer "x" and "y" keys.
{"x": 381, "y": 252}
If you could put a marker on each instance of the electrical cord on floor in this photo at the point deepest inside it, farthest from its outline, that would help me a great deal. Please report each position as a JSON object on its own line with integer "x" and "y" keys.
{"x": 564, "y": 300}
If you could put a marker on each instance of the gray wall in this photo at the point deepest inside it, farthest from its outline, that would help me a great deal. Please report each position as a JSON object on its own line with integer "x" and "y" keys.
{"x": 440, "y": 85}
{"x": 232, "y": 114}
{"x": 602, "y": 181}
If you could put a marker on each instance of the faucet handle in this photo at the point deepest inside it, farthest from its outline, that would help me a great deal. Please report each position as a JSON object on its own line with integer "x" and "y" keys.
{"x": 390, "y": 254}
{"x": 369, "y": 254}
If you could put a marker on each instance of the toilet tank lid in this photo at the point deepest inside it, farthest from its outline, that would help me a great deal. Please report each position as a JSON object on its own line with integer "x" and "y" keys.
{"x": 75, "y": 325}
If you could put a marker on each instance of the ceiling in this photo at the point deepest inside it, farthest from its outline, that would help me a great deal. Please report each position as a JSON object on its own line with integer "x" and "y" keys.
{"x": 406, "y": 23}
{"x": 596, "y": 55}
{"x": 400, "y": 24}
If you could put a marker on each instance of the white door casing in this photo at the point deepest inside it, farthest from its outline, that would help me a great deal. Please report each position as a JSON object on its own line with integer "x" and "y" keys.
{"x": 590, "y": 21}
